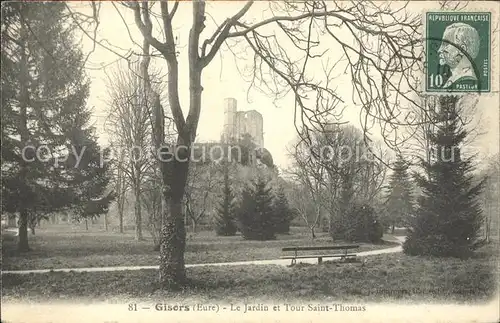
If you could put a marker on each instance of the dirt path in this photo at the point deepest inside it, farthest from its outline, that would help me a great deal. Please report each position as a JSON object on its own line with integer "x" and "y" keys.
{"x": 282, "y": 262}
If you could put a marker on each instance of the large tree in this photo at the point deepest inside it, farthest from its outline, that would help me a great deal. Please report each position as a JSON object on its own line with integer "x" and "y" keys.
{"x": 338, "y": 170}
{"x": 307, "y": 193}
{"x": 50, "y": 158}
{"x": 449, "y": 215}
{"x": 129, "y": 124}
{"x": 203, "y": 181}
{"x": 287, "y": 42}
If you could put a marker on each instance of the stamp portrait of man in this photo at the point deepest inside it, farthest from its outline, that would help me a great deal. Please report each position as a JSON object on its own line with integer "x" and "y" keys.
{"x": 460, "y": 42}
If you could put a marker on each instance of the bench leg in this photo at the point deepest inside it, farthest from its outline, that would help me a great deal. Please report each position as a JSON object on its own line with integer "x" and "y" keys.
{"x": 320, "y": 260}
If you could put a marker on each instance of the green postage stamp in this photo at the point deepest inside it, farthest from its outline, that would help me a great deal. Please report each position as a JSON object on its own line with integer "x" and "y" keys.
{"x": 458, "y": 52}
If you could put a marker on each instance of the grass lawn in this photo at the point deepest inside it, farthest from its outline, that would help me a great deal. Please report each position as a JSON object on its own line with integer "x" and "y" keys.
{"x": 384, "y": 278}
{"x": 63, "y": 247}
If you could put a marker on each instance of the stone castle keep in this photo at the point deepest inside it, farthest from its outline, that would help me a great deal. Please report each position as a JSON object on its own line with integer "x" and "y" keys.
{"x": 237, "y": 123}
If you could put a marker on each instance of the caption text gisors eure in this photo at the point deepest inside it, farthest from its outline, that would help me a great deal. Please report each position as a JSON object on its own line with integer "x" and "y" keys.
{"x": 247, "y": 308}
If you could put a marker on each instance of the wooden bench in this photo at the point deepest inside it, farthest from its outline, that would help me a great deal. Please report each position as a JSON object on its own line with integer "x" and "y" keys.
{"x": 345, "y": 255}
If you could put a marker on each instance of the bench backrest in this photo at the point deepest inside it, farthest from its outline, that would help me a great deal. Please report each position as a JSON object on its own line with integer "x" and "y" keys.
{"x": 320, "y": 248}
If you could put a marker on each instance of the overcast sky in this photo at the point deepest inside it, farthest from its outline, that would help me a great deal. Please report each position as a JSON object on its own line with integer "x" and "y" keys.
{"x": 221, "y": 79}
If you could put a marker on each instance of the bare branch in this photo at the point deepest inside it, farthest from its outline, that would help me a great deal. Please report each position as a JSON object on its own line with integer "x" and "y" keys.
{"x": 174, "y": 10}
{"x": 221, "y": 34}
{"x": 94, "y": 37}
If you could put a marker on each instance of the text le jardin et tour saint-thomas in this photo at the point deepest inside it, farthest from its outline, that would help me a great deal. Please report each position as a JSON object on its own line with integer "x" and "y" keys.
{"x": 250, "y": 308}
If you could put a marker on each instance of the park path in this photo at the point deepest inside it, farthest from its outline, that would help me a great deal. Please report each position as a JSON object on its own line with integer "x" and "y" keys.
{"x": 282, "y": 262}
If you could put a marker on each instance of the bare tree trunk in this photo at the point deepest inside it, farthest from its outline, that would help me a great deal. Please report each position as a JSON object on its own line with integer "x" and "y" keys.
{"x": 173, "y": 233}
{"x": 12, "y": 221}
{"x": 172, "y": 246}
{"x": 23, "y": 231}
{"x": 106, "y": 221}
{"x": 120, "y": 218}
{"x": 155, "y": 221}
{"x": 487, "y": 228}
{"x": 32, "y": 223}
{"x": 193, "y": 223}
{"x": 121, "y": 221}
{"x": 23, "y": 104}
{"x": 120, "y": 212}
{"x": 86, "y": 224}
{"x": 138, "y": 217}
{"x": 188, "y": 214}
{"x": 313, "y": 235}
{"x": 186, "y": 217}
{"x": 172, "y": 271}
{"x": 120, "y": 188}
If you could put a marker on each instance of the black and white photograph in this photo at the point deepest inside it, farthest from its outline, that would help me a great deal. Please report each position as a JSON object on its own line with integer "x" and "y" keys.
{"x": 250, "y": 161}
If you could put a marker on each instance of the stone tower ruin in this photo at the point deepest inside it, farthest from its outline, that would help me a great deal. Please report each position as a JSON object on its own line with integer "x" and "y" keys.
{"x": 237, "y": 123}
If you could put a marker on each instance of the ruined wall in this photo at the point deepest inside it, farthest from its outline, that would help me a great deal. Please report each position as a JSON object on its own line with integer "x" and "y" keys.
{"x": 229, "y": 127}
{"x": 237, "y": 123}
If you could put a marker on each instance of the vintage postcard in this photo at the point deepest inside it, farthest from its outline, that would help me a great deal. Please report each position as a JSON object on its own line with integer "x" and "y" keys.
{"x": 250, "y": 161}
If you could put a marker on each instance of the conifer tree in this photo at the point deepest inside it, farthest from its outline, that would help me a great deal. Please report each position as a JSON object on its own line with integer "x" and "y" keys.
{"x": 225, "y": 222}
{"x": 50, "y": 158}
{"x": 256, "y": 215}
{"x": 448, "y": 217}
{"x": 282, "y": 211}
{"x": 399, "y": 202}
